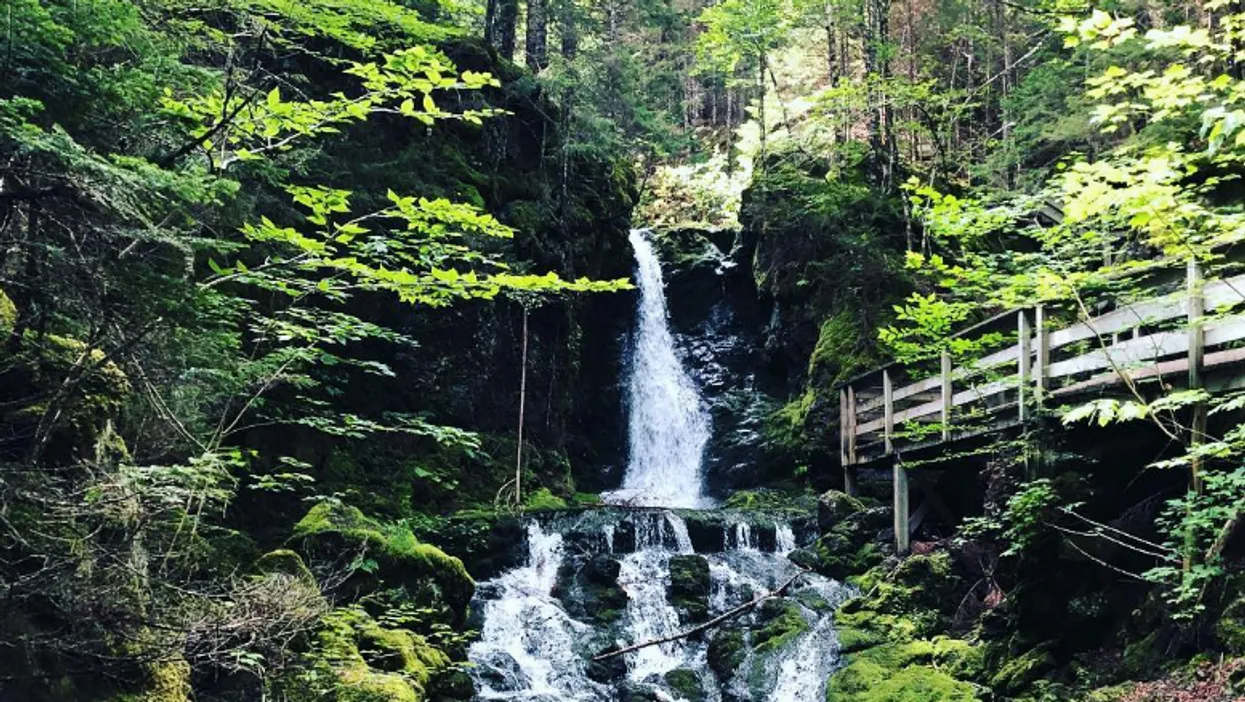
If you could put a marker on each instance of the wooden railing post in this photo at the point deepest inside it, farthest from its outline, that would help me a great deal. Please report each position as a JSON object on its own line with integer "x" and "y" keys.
{"x": 1041, "y": 365}
{"x": 900, "y": 479}
{"x": 888, "y": 412}
{"x": 847, "y": 431}
{"x": 1197, "y": 344}
{"x": 1024, "y": 350}
{"x": 946, "y": 396}
{"x": 852, "y": 426}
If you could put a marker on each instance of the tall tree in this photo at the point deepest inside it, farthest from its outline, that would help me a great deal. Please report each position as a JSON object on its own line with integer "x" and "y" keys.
{"x": 536, "y": 48}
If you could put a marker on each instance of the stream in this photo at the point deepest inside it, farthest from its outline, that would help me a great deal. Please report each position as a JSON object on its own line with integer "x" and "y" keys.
{"x": 655, "y": 562}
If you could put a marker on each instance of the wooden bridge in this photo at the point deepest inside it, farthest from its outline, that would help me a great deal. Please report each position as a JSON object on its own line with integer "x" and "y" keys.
{"x": 1188, "y": 334}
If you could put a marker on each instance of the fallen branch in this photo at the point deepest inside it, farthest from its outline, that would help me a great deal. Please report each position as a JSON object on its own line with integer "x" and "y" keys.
{"x": 731, "y": 614}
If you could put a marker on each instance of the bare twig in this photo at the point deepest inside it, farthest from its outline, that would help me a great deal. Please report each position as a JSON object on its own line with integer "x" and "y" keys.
{"x": 725, "y": 616}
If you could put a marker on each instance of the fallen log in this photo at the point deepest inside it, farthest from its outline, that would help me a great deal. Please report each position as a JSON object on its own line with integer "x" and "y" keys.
{"x": 725, "y": 616}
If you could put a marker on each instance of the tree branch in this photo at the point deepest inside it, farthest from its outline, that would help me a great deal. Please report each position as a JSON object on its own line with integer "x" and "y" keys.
{"x": 745, "y": 607}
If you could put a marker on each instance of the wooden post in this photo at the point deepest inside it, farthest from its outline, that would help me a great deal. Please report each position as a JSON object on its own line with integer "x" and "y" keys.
{"x": 846, "y": 436}
{"x": 1041, "y": 370}
{"x": 900, "y": 474}
{"x": 852, "y": 425}
{"x": 1197, "y": 344}
{"x": 946, "y": 396}
{"x": 1024, "y": 348}
{"x": 888, "y": 410}
{"x": 901, "y": 508}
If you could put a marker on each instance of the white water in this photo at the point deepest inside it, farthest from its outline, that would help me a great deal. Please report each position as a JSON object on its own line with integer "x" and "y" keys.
{"x": 669, "y": 425}
{"x": 532, "y": 650}
{"x": 528, "y": 640}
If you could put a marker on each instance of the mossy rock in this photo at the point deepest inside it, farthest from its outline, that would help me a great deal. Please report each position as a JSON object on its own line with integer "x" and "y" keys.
{"x": 83, "y": 429}
{"x": 772, "y": 500}
{"x": 284, "y": 561}
{"x": 1021, "y": 671}
{"x": 331, "y": 530}
{"x": 167, "y": 681}
{"x": 686, "y": 683}
{"x": 1230, "y": 629}
{"x": 896, "y": 673}
{"x": 727, "y": 651}
{"x": 784, "y": 622}
{"x": 543, "y": 500}
{"x": 373, "y": 663}
{"x": 833, "y": 506}
{"x": 688, "y": 591}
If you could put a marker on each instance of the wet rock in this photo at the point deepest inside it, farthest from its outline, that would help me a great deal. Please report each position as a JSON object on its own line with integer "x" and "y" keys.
{"x": 688, "y": 591}
{"x": 726, "y": 652}
{"x": 686, "y": 683}
{"x": 707, "y": 530}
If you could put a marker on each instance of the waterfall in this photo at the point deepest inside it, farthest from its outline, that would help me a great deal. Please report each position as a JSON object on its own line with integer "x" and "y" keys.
{"x": 669, "y": 425}
{"x": 533, "y": 649}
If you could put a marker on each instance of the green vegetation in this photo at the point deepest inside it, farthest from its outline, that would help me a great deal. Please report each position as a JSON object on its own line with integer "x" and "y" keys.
{"x": 304, "y": 306}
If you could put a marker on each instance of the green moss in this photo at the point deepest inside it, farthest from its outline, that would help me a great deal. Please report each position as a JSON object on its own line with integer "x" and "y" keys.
{"x": 587, "y": 499}
{"x": 783, "y": 623}
{"x": 167, "y": 681}
{"x": 688, "y": 591}
{"x": 833, "y": 506}
{"x": 330, "y": 528}
{"x": 1022, "y": 670}
{"x": 726, "y": 652}
{"x": 373, "y": 663}
{"x": 771, "y": 500}
{"x": 543, "y": 499}
{"x": 852, "y": 639}
{"x": 1230, "y": 629}
{"x": 896, "y": 673}
{"x": 285, "y": 562}
{"x": 958, "y": 657}
{"x": 837, "y": 351}
{"x": 686, "y": 683}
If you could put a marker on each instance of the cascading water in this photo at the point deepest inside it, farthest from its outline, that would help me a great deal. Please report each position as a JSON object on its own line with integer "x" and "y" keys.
{"x": 606, "y": 579}
{"x": 669, "y": 426}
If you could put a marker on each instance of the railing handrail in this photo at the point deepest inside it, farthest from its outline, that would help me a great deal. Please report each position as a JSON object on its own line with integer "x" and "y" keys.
{"x": 1036, "y": 340}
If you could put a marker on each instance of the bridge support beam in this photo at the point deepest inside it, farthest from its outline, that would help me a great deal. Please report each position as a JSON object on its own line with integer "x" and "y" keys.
{"x": 901, "y": 509}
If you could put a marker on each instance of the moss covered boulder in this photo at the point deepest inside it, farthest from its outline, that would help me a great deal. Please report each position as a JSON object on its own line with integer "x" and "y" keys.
{"x": 727, "y": 650}
{"x": 688, "y": 590}
{"x": 284, "y": 561}
{"x": 384, "y": 555}
{"x": 833, "y": 506}
{"x": 783, "y": 622}
{"x": 79, "y": 424}
{"x": 897, "y": 673}
{"x": 589, "y": 589}
{"x": 686, "y": 684}
{"x": 372, "y": 663}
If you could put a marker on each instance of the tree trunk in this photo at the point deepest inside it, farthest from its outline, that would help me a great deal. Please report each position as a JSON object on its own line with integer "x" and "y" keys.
{"x": 877, "y": 69}
{"x": 501, "y": 26}
{"x": 537, "y": 44}
{"x": 568, "y": 28}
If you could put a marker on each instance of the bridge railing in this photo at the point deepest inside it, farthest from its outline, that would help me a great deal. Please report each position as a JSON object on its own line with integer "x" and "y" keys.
{"x": 1053, "y": 355}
